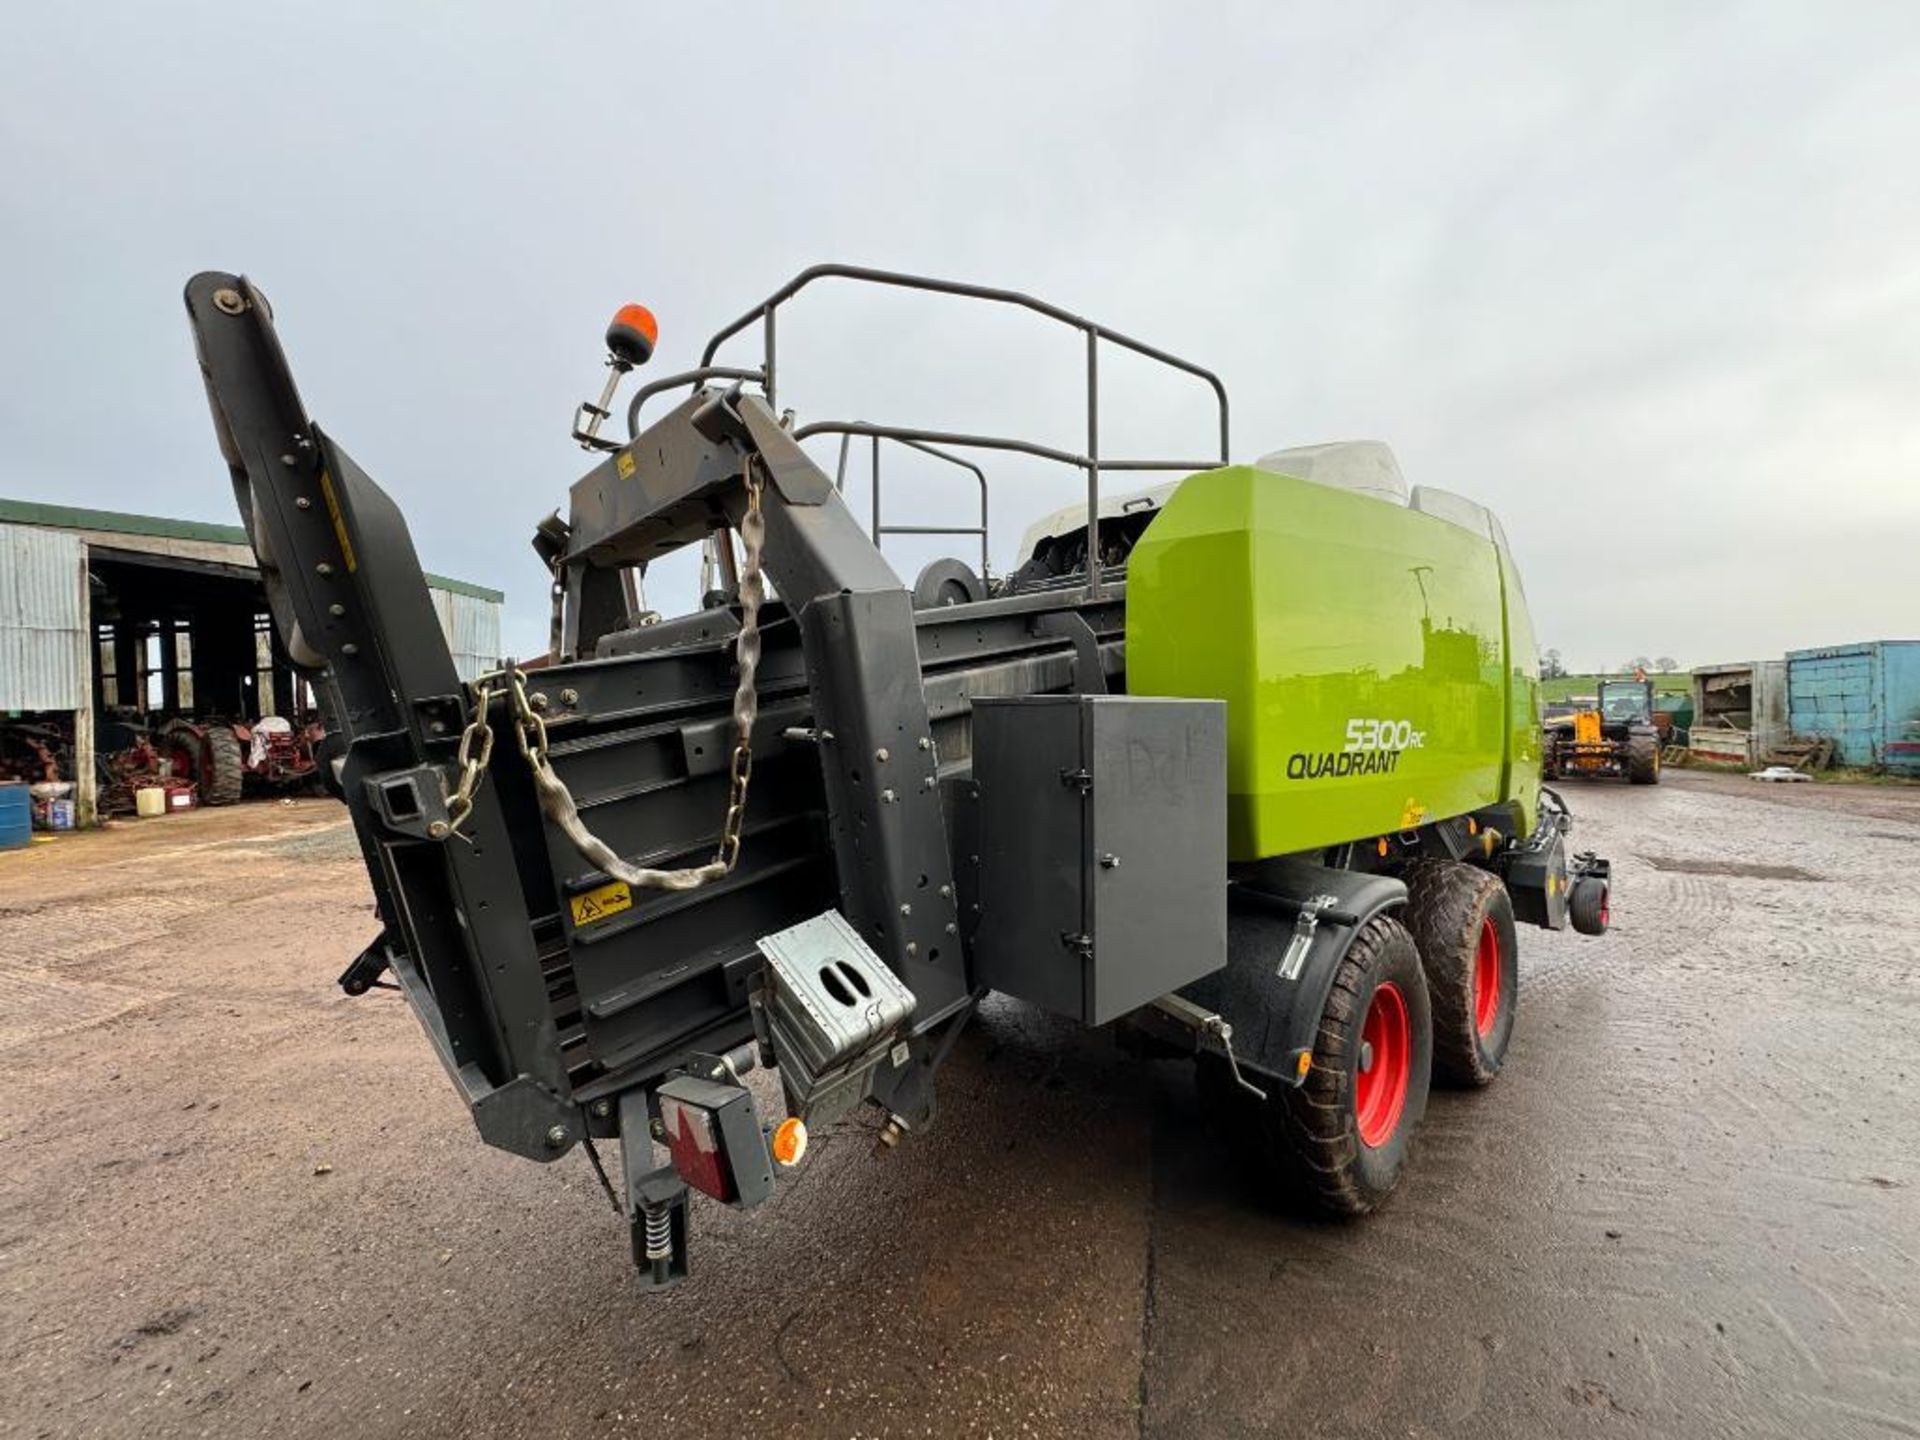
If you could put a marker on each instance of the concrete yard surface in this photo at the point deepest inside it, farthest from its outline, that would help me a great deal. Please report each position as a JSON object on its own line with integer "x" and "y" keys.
{"x": 234, "y": 1202}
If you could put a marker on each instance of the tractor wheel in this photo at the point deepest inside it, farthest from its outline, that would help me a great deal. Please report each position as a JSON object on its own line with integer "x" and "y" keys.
{"x": 209, "y": 756}
{"x": 226, "y": 770}
{"x": 1643, "y": 758}
{"x": 1462, "y": 920}
{"x": 1590, "y": 905}
{"x": 1340, "y": 1139}
{"x": 178, "y": 743}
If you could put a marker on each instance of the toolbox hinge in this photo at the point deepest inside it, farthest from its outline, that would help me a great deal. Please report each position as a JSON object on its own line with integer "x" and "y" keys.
{"x": 1081, "y": 780}
{"x": 1081, "y": 943}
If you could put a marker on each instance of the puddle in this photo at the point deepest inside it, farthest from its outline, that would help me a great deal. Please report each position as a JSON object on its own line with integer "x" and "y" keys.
{"x": 1738, "y": 869}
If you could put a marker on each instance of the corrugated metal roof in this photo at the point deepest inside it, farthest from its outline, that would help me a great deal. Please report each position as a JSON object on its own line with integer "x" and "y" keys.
{"x": 43, "y": 630}
{"x": 115, "y": 522}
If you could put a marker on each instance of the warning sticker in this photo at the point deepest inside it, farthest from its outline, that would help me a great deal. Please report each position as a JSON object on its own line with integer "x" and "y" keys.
{"x": 623, "y": 462}
{"x": 339, "y": 522}
{"x": 598, "y": 904}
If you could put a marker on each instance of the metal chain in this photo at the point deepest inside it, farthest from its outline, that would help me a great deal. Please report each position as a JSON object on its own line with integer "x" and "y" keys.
{"x": 473, "y": 766}
{"x": 531, "y": 730}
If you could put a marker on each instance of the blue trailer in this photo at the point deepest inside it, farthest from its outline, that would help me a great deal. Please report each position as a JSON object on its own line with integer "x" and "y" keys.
{"x": 1864, "y": 697}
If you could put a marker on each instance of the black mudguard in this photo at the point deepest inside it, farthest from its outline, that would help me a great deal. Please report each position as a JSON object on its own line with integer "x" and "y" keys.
{"x": 1271, "y": 992}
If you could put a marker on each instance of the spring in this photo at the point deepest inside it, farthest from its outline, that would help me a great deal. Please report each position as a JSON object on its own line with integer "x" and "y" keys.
{"x": 659, "y": 1236}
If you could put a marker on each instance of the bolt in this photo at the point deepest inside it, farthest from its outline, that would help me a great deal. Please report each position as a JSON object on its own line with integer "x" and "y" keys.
{"x": 906, "y": 909}
{"x": 301, "y": 502}
{"x": 569, "y": 697}
{"x": 952, "y": 929}
{"x": 657, "y": 1129}
{"x": 289, "y": 461}
{"x": 602, "y": 1109}
{"x": 927, "y": 784}
{"x": 556, "y": 1137}
{"x": 437, "y": 727}
{"x": 323, "y": 569}
{"x": 1366, "y": 1057}
{"x": 438, "y": 830}
{"x": 946, "y": 892}
{"x": 887, "y": 797}
{"x": 349, "y": 649}
{"x": 924, "y": 743}
{"x": 881, "y": 755}
{"x": 538, "y": 700}
{"x": 229, "y": 302}
{"x": 336, "y": 608}
{"x": 912, "y": 949}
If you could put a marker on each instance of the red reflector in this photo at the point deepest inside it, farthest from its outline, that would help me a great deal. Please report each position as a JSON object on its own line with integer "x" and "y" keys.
{"x": 699, "y": 1154}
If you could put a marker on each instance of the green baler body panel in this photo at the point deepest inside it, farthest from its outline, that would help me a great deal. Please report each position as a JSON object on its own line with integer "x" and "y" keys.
{"x": 1377, "y": 662}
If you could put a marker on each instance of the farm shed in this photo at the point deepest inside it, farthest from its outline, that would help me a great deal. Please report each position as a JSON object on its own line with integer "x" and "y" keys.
{"x": 113, "y": 623}
{"x": 1739, "y": 711}
{"x": 1864, "y": 697}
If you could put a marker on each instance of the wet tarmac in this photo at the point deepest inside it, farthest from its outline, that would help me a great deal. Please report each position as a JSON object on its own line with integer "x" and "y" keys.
{"x": 233, "y": 1202}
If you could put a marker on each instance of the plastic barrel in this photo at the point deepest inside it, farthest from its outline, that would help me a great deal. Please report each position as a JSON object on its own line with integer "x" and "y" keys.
{"x": 16, "y": 816}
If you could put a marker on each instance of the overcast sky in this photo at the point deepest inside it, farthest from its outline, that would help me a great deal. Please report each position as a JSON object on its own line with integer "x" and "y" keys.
{"x": 1643, "y": 278}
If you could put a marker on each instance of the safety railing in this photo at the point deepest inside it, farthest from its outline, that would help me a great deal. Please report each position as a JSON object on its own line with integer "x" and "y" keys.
{"x": 1091, "y": 462}
{"x": 879, "y": 531}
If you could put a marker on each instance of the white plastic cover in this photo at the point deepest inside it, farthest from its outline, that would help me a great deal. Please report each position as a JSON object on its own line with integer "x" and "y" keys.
{"x": 1367, "y": 466}
{"x": 1467, "y": 514}
{"x": 1074, "y": 517}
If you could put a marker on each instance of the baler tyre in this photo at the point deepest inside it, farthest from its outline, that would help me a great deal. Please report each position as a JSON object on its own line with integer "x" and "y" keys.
{"x": 1348, "y": 1128}
{"x": 1339, "y": 1140}
{"x": 1590, "y": 905}
{"x": 225, "y": 772}
{"x": 1461, "y": 918}
{"x": 1643, "y": 758}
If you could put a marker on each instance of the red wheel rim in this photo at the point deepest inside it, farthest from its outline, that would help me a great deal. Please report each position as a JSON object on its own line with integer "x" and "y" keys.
{"x": 1386, "y": 1061}
{"x": 1486, "y": 979}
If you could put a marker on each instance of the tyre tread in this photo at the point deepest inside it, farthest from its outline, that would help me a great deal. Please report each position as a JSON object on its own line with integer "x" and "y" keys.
{"x": 1446, "y": 903}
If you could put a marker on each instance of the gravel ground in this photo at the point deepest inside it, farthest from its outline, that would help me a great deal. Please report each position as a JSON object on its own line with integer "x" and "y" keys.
{"x": 233, "y": 1202}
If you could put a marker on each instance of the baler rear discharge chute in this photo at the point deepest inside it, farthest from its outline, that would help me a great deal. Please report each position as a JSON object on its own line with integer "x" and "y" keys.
{"x": 1188, "y": 770}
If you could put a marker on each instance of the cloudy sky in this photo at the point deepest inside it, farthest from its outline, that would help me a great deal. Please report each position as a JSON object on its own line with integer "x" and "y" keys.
{"x": 1644, "y": 278}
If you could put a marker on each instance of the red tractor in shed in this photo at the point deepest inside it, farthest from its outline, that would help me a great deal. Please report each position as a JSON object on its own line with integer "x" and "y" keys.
{"x": 223, "y": 757}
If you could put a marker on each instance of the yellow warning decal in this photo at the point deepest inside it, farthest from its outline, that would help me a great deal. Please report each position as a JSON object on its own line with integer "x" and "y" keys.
{"x": 598, "y": 904}
{"x": 339, "y": 522}
{"x": 623, "y": 462}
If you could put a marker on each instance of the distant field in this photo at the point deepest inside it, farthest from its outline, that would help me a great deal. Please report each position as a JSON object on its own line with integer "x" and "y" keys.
{"x": 1568, "y": 686}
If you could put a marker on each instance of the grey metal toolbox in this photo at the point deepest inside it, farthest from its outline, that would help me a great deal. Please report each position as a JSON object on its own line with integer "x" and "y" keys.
{"x": 1102, "y": 829}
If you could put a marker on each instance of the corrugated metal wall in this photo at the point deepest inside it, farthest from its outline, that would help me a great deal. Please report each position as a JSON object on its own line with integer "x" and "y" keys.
{"x": 43, "y": 620}
{"x": 1865, "y": 698}
{"x": 1901, "y": 665}
{"x": 472, "y": 628}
